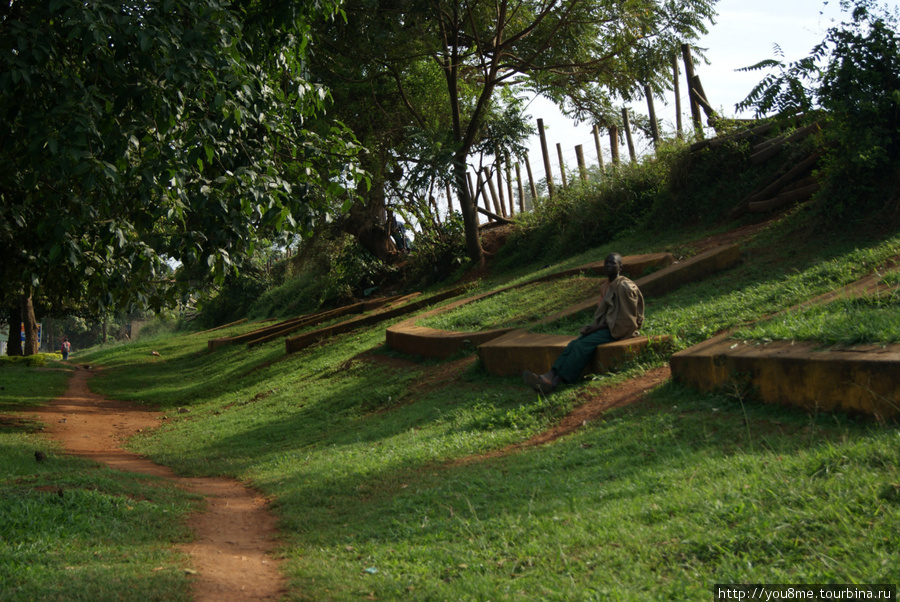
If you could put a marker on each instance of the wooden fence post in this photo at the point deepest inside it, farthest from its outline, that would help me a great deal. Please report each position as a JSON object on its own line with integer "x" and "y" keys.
{"x": 627, "y": 123}
{"x": 614, "y": 143}
{"x": 599, "y": 149}
{"x": 651, "y": 109}
{"x": 677, "y": 86}
{"x": 482, "y": 194}
{"x": 490, "y": 183}
{"x": 531, "y": 180}
{"x": 689, "y": 74}
{"x": 509, "y": 188}
{"x": 582, "y": 169}
{"x": 547, "y": 171}
{"x": 562, "y": 165}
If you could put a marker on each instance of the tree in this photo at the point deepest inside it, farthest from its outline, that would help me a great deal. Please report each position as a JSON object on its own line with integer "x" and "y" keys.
{"x": 569, "y": 49}
{"x": 139, "y": 135}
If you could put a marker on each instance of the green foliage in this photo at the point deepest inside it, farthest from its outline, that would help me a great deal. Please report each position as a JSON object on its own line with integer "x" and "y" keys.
{"x": 233, "y": 299}
{"x": 438, "y": 251}
{"x": 354, "y": 273}
{"x": 37, "y": 360}
{"x": 124, "y": 150}
{"x": 853, "y": 75}
{"x": 330, "y": 269}
{"x": 673, "y": 189}
{"x": 162, "y": 324}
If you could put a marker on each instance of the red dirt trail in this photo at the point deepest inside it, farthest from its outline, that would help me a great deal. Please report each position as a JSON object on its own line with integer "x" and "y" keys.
{"x": 234, "y": 536}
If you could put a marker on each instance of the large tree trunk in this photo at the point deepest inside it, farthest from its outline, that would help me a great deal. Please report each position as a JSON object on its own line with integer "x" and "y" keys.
{"x": 366, "y": 221}
{"x": 31, "y": 331}
{"x": 14, "y": 345}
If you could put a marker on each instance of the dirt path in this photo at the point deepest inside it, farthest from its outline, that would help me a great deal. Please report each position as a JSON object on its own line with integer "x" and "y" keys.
{"x": 233, "y": 537}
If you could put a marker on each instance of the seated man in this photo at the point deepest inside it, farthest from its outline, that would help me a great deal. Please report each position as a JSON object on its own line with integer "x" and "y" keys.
{"x": 619, "y": 315}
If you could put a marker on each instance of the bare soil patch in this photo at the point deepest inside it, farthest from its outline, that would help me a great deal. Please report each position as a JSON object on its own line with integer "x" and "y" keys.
{"x": 234, "y": 537}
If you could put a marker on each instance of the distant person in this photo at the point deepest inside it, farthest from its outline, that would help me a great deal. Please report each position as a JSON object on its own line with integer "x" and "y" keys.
{"x": 66, "y": 348}
{"x": 619, "y": 315}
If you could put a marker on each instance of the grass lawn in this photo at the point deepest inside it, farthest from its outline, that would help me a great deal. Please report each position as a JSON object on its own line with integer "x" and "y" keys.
{"x": 388, "y": 476}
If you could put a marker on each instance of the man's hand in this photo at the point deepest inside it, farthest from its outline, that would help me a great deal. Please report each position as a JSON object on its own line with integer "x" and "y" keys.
{"x": 587, "y": 329}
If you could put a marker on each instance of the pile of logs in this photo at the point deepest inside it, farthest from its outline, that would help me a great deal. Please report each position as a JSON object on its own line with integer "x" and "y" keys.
{"x": 792, "y": 183}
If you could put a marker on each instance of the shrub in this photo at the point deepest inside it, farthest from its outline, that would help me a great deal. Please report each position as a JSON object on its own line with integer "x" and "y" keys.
{"x": 37, "y": 360}
{"x": 438, "y": 251}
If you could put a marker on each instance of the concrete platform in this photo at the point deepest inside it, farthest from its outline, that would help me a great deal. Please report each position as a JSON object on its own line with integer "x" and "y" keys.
{"x": 521, "y": 350}
{"x": 407, "y": 337}
{"x": 859, "y": 379}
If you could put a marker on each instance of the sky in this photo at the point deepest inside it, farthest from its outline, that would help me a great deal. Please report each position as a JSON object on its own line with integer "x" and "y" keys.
{"x": 745, "y": 33}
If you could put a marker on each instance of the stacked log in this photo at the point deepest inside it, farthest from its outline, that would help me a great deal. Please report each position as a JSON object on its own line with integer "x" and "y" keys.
{"x": 764, "y": 197}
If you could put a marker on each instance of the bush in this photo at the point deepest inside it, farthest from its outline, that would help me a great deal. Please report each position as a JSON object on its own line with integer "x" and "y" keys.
{"x": 438, "y": 251}
{"x": 37, "y": 360}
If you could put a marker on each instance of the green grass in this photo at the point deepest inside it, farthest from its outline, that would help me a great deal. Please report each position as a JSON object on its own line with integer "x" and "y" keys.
{"x": 519, "y": 307}
{"x": 71, "y": 529}
{"x": 850, "y": 321}
{"x": 387, "y": 482}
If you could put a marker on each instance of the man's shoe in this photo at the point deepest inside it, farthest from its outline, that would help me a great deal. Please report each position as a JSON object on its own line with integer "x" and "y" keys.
{"x": 538, "y": 382}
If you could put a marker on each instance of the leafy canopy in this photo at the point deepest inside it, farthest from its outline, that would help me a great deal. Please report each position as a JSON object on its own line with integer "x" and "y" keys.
{"x": 138, "y": 134}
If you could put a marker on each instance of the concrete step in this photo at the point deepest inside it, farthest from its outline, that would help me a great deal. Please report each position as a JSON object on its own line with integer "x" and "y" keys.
{"x": 521, "y": 350}
{"x": 862, "y": 379}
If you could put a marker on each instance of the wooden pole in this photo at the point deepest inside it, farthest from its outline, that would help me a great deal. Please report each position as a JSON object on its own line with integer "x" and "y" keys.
{"x": 562, "y": 165}
{"x": 521, "y": 189}
{"x": 689, "y": 74}
{"x": 481, "y": 193}
{"x": 651, "y": 109}
{"x": 490, "y": 183}
{"x": 509, "y": 188}
{"x": 547, "y": 171}
{"x": 614, "y": 143}
{"x": 677, "y": 97}
{"x": 599, "y": 149}
{"x": 627, "y": 123}
{"x": 531, "y": 185}
{"x": 500, "y": 193}
{"x": 582, "y": 169}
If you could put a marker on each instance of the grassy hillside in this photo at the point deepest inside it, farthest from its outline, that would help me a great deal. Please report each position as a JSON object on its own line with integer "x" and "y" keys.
{"x": 397, "y": 478}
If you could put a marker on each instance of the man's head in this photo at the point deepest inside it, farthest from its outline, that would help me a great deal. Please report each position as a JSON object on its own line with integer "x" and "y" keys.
{"x": 612, "y": 265}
